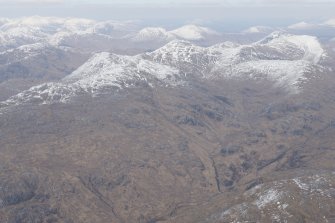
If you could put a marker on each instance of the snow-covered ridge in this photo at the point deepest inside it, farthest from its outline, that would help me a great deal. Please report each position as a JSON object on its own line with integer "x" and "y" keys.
{"x": 27, "y": 30}
{"x": 29, "y": 51}
{"x": 94, "y": 35}
{"x": 50, "y": 25}
{"x": 111, "y": 70}
{"x": 184, "y": 55}
{"x": 26, "y": 48}
{"x": 280, "y": 57}
{"x": 188, "y": 32}
{"x": 104, "y": 72}
{"x": 310, "y": 45}
{"x": 36, "y": 29}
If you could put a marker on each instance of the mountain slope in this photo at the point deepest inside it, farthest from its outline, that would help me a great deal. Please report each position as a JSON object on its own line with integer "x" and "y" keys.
{"x": 214, "y": 151}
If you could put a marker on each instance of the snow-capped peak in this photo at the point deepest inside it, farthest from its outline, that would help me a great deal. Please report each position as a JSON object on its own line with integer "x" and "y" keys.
{"x": 272, "y": 36}
{"x": 107, "y": 70}
{"x": 301, "y": 26}
{"x": 258, "y": 29}
{"x": 101, "y": 72}
{"x": 179, "y": 52}
{"x": 193, "y": 32}
{"x": 152, "y": 34}
{"x": 310, "y": 45}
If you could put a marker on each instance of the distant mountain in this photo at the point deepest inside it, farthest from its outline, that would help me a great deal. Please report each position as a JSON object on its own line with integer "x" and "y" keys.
{"x": 188, "y": 32}
{"x": 258, "y": 30}
{"x": 301, "y": 26}
{"x": 323, "y": 30}
{"x": 59, "y": 31}
{"x": 157, "y": 34}
{"x": 194, "y": 33}
{"x": 26, "y": 65}
{"x": 39, "y": 60}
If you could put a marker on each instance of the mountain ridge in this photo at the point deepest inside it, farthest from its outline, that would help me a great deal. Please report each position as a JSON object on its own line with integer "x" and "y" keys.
{"x": 282, "y": 58}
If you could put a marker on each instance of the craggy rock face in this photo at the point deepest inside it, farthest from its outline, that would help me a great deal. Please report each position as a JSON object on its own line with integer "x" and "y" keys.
{"x": 227, "y": 133}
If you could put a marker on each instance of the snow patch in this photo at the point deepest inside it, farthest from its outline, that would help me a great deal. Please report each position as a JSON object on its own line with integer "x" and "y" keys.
{"x": 301, "y": 185}
{"x": 269, "y": 197}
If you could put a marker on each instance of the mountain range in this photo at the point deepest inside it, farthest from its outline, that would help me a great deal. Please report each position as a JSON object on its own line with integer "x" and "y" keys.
{"x": 284, "y": 59}
{"x": 109, "y": 122}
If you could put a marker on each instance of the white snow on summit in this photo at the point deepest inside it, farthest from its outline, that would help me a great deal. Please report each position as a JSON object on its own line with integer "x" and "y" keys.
{"x": 188, "y": 33}
{"x": 310, "y": 45}
{"x": 193, "y": 32}
{"x": 280, "y": 57}
{"x": 103, "y": 71}
{"x": 111, "y": 70}
{"x": 21, "y": 52}
{"x": 301, "y": 26}
{"x": 153, "y": 34}
{"x": 258, "y": 29}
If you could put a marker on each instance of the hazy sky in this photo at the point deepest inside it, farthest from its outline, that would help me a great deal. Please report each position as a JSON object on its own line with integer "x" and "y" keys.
{"x": 224, "y": 14}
